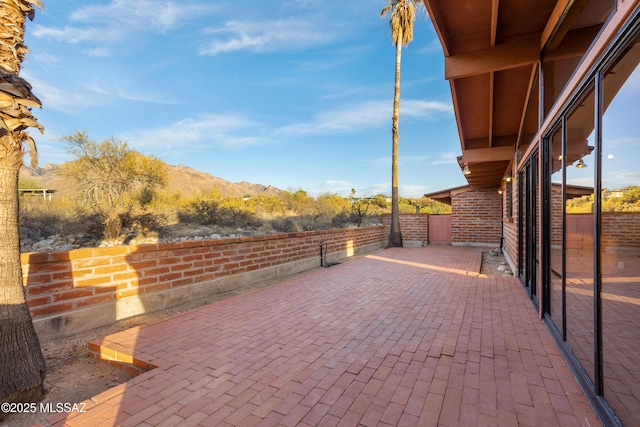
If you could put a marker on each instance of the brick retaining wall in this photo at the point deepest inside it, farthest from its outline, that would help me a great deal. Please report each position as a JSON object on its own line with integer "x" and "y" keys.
{"x": 414, "y": 228}
{"x": 73, "y": 291}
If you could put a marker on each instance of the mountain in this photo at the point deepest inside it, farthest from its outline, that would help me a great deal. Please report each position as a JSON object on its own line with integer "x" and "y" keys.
{"x": 186, "y": 180}
{"x": 182, "y": 180}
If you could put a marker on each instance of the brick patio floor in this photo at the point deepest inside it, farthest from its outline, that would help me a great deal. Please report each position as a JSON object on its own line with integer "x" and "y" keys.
{"x": 401, "y": 337}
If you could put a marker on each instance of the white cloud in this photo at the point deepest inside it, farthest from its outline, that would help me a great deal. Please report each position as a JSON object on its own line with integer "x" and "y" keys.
{"x": 424, "y": 109}
{"x": 446, "y": 159}
{"x": 623, "y": 142}
{"x": 384, "y": 162}
{"x": 621, "y": 178}
{"x": 331, "y": 186}
{"x": 57, "y": 98}
{"x": 330, "y": 183}
{"x": 116, "y": 20}
{"x": 431, "y": 47}
{"x": 266, "y": 36}
{"x": 371, "y": 114}
{"x": 412, "y": 190}
{"x": 350, "y": 119}
{"x": 375, "y": 189}
{"x": 74, "y": 99}
{"x": 221, "y": 130}
{"x": 99, "y": 52}
{"x": 67, "y": 34}
{"x": 46, "y": 58}
{"x": 130, "y": 95}
{"x": 156, "y": 16}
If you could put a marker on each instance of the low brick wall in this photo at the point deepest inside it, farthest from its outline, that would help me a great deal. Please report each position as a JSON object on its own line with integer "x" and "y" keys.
{"x": 73, "y": 291}
{"x": 621, "y": 231}
{"x": 414, "y": 228}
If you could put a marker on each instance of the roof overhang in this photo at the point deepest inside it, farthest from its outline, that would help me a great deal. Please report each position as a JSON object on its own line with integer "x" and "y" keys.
{"x": 492, "y": 51}
{"x": 444, "y": 196}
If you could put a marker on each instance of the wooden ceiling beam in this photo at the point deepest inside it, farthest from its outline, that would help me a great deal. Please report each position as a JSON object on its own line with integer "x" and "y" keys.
{"x": 483, "y": 142}
{"x": 495, "y": 5}
{"x": 576, "y": 43}
{"x": 456, "y": 109}
{"x": 560, "y": 11}
{"x": 493, "y": 154}
{"x": 533, "y": 77}
{"x": 562, "y": 18}
{"x": 500, "y": 57}
{"x": 491, "y": 110}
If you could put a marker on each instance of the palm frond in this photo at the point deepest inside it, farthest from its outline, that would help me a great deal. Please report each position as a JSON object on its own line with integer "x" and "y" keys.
{"x": 12, "y": 48}
{"x": 402, "y": 15}
{"x": 16, "y": 98}
{"x": 32, "y": 151}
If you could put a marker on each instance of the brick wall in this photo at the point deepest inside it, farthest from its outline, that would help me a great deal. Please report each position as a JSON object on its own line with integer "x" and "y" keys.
{"x": 414, "y": 228}
{"x": 476, "y": 217}
{"x": 621, "y": 230}
{"x": 510, "y": 229}
{"x": 72, "y": 291}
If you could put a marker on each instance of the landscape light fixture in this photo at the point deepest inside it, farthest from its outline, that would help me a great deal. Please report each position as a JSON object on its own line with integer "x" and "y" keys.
{"x": 466, "y": 170}
{"x": 581, "y": 164}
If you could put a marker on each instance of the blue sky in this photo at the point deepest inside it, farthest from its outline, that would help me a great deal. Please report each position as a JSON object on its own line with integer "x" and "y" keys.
{"x": 293, "y": 93}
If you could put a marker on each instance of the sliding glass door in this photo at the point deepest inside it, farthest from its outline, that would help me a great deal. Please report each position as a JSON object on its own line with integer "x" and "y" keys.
{"x": 591, "y": 234}
{"x": 528, "y": 226}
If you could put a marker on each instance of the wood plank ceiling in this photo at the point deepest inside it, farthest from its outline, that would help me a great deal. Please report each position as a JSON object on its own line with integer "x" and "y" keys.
{"x": 492, "y": 51}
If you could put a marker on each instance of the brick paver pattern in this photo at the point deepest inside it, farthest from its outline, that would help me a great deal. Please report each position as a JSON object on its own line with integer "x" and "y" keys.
{"x": 401, "y": 337}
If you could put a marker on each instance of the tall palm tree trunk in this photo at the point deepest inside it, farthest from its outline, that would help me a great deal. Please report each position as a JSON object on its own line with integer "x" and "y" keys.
{"x": 402, "y": 15}
{"x": 395, "y": 235}
{"x": 22, "y": 365}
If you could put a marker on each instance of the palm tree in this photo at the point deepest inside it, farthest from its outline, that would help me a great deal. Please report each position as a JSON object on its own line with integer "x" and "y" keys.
{"x": 402, "y": 14}
{"x": 22, "y": 365}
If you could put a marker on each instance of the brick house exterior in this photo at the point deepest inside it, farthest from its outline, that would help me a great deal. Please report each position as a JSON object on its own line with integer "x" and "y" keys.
{"x": 476, "y": 217}
{"x": 542, "y": 93}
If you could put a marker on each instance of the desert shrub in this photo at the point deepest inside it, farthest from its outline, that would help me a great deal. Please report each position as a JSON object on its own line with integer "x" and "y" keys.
{"x": 142, "y": 222}
{"x": 146, "y": 196}
{"x": 201, "y": 212}
{"x": 210, "y": 212}
{"x": 265, "y": 206}
{"x": 294, "y": 224}
{"x": 42, "y": 223}
{"x": 344, "y": 219}
{"x": 234, "y": 217}
{"x": 286, "y": 225}
{"x": 151, "y": 210}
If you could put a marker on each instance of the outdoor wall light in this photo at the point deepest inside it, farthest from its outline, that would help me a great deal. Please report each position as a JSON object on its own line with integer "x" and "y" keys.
{"x": 508, "y": 177}
{"x": 500, "y": 191}
{"x": 581, "y": 164}
{"x": 466, "y": 169}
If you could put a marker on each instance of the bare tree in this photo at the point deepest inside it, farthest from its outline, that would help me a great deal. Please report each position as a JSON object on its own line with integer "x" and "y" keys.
{"x": 22, "y": 365}
{"x": 107, "y": 173}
